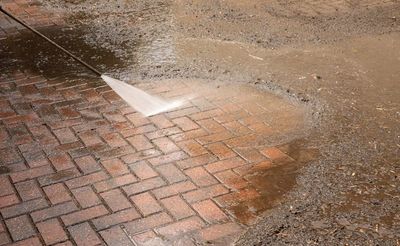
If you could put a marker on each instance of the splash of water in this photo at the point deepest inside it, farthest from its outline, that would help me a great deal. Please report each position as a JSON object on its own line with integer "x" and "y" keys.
{"x": 141, "y": 101}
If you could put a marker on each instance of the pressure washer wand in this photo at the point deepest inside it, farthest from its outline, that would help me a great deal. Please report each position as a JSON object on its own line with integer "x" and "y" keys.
{"x": 51, "y": 42}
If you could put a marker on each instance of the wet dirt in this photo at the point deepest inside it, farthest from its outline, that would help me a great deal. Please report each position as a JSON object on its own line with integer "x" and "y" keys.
{"x": 339, "y": 58}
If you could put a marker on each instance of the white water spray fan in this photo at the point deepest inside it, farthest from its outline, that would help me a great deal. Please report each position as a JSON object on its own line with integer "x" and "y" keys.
{"x": 141, "y": 101}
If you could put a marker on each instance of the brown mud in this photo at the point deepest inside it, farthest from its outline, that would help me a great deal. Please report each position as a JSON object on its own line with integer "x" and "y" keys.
{"x": 337, "y": 58}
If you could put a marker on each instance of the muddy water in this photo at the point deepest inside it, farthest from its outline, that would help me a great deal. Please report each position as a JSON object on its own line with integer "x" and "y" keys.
{"x": 29, "y": 53}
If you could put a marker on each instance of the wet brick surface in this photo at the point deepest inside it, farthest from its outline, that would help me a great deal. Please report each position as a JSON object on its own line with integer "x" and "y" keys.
{"x": 122, "y": 177}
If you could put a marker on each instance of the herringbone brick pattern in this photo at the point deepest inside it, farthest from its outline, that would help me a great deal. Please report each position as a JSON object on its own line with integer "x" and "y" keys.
{"x": 89, "y": 169}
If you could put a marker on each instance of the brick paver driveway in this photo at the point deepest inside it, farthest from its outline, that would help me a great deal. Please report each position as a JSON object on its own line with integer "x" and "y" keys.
{"x": 79, "y": 167}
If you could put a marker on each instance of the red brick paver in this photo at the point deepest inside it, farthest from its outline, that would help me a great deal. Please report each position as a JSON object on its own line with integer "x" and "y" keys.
{"x": 52, "y": 231}
{"x": 85, "y": 169}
